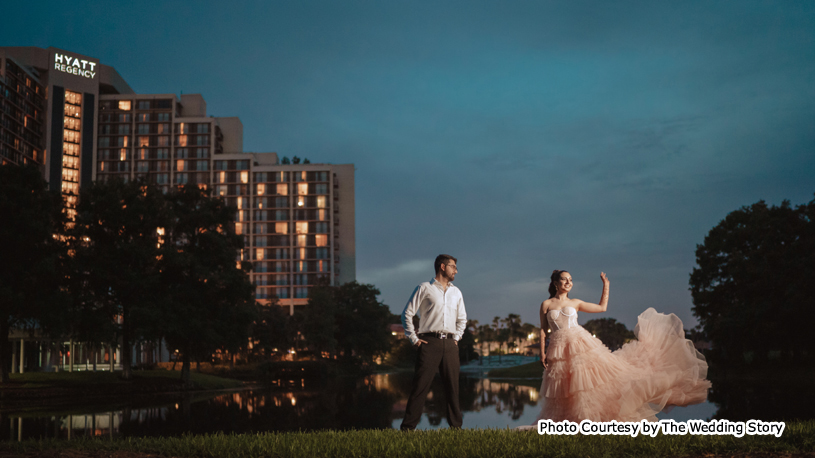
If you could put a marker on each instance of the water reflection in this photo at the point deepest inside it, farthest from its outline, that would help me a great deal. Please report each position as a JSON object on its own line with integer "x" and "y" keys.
{"x": 377, "y": 401}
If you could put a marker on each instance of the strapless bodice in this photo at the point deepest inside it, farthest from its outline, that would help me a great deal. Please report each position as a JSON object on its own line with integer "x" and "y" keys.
{"x": 564, "y": 318}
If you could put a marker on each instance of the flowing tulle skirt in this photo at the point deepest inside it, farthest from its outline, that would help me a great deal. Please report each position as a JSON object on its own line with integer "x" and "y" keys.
{"x": 586, "y": 381}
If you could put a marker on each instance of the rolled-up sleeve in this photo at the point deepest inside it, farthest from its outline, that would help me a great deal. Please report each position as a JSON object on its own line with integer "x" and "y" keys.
{"x": 407, "y": 315}
{"x": 461, "y": 318}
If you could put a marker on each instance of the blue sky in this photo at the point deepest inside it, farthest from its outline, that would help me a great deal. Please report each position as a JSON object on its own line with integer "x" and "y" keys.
{"x": 520, "y": 137}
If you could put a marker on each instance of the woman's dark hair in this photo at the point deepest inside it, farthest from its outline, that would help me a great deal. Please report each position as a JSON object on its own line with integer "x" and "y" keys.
{"x": 554, "y": 278}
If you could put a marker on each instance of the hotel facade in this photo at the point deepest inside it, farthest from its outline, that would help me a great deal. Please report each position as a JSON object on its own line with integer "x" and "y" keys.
{"x": 79, "y": 121}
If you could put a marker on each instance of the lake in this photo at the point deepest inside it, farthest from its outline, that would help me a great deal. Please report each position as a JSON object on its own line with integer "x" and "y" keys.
{"x": 377, "y": 401}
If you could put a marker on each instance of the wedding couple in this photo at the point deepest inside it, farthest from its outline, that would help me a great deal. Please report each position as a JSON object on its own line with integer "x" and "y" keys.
{"x": 583, "y": 378}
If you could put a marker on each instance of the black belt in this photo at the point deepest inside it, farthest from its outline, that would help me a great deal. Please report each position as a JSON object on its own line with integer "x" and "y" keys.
{"x": 438, "y": 335}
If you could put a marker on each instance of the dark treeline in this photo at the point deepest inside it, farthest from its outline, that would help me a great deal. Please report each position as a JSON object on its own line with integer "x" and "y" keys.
{"x": 752, "y": 288}
{"x": 131, "y": 264}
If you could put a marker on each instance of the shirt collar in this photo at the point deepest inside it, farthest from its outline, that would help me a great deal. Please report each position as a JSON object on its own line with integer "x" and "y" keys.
{"x": 433, "y": 281}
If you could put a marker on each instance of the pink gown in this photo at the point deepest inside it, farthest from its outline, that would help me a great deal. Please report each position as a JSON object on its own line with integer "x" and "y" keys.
{"x": 585, "y": 380}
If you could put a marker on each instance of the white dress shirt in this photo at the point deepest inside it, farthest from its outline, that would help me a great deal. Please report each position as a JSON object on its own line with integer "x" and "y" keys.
{"x": 439, "y": 311}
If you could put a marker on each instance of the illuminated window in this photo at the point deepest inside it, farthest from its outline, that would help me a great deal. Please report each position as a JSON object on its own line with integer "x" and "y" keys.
{"x": 259, "y": 253}
{"x": 283, "y": 189}
{"x": 124, "y": 105}
{"x": 302, "y": 227}
{"x": 261, "y": 189}
{"x": 301, "y": 201}
{"x": 143, "y": 141}
{"x": 321, "y": 202}
{"x": 244, "y": 177}
{"x": 179, "y": 165}
{"x": 182, "y": 140}
{"x": 164, "y": 128}
{"x": 281, "y": 228}
{"x": 164, "y": 141}
{"x": 220, "y": 190}
{"x": 321, "y": 214}
{"x": 301, "y": 240}
{"x": 302, "y": 188}
{"x": 321, "y": 240}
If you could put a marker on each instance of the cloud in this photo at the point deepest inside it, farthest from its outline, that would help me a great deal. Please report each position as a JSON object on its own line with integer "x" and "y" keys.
{"x": 396, "y": 272}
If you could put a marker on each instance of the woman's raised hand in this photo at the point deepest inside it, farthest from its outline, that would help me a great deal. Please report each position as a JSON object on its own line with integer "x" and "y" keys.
{"x": 604, "y": 278}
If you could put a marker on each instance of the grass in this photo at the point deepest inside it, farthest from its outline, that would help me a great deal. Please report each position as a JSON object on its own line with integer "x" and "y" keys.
{"x": 798, "y": 438}
{"x": 89, "y": 379}
{"x": 530, "y": 370}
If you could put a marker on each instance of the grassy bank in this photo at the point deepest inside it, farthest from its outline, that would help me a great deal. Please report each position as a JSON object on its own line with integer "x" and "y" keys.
{"x": 798, "y": 438}
{"x": 531, "y": 370}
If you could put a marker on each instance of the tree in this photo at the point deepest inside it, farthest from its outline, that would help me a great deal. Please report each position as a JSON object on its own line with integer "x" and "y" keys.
{"x": 347, "y": 321}
{"x": 358, "y": 309}
{"x": 295, "y": 160}
{"x": 500, "y": 335}
{"x": 208, "y": 297}
{"x": 751, "y": 287}
{"x": 466, "y": 345}
{"x": 285, "y": 160}
{"x": 528, "y": 329}
{"x": 612, "y": 333}
{"x": 273, "y": 330}
{"x": 514, "y": 331}
{"x": 115, "y": 240}
{"x": 485, "y": 336}
{"x": 319, "y": 320}
{"x": 306, "y": 161}
{"x": 32, "y": 252}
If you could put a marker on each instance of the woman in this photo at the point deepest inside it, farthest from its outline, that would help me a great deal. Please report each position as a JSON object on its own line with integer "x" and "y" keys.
{"x": 584, "y": 380}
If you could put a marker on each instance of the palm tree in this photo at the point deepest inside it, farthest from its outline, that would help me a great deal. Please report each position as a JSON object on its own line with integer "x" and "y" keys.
{"x": 498, "y": 334}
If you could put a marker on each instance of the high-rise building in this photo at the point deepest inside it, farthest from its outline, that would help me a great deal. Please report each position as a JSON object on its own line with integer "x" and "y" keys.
{"x": 79, "y": 121}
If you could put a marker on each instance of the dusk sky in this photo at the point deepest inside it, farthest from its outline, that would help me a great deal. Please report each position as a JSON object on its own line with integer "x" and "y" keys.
{"x": 520, "y": 137}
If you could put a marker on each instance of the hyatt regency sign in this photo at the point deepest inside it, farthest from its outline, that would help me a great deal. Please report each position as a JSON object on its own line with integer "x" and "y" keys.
{"x": 75, "y": 66}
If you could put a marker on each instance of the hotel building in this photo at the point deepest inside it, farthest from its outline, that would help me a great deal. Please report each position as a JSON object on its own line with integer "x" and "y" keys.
{"x": 79, "y": 121}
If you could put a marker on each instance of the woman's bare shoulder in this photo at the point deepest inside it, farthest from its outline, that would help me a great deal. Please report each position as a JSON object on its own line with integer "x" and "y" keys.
{"x": 547, "y": 304}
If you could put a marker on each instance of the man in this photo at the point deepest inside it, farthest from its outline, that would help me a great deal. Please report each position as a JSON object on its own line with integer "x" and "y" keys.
{"x": 441, "y": 324}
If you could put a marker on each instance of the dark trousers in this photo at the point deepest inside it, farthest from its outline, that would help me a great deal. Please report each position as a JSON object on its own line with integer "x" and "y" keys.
{"x": 436, "y": 355}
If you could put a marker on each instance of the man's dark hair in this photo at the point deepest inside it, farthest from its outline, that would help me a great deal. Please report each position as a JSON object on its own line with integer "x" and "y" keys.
{"x": 443, "y": 259}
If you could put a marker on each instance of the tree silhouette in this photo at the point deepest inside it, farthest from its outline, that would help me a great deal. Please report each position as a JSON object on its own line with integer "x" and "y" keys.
{"x": 612, "y": 333}
{"x": 751, "y": 290}
{"x": 32, "y": 253}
